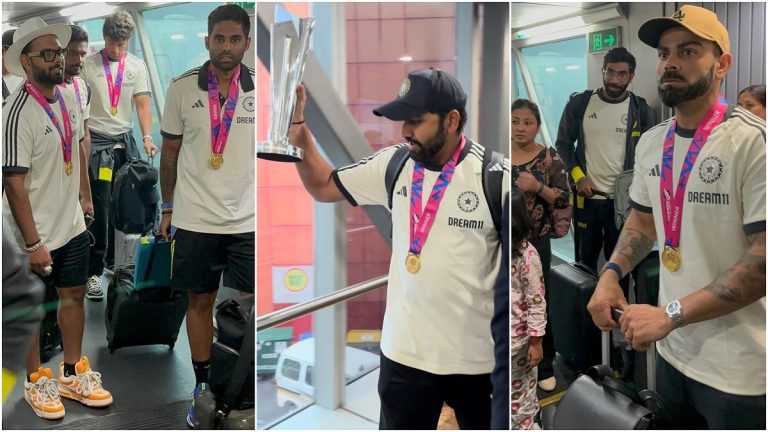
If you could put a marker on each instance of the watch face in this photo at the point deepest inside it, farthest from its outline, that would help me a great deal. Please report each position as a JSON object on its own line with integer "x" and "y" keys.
{"x": 673, "y": 308}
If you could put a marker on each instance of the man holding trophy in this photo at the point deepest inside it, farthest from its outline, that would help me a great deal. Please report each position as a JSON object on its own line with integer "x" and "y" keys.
{"x": 207, "y": 172}
{"x": 436, "y": 342}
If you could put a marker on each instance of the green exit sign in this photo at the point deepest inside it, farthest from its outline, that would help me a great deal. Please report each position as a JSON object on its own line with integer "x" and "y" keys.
{"x": 245, "y": 5}
{"x": 603, "y": 40}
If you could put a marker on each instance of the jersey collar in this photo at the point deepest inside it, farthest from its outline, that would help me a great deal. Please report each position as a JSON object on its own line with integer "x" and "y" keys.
{"x": 246, "y": 83}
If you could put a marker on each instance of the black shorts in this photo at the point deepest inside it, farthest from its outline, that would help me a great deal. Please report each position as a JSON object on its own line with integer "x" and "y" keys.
{"x": 199, "y": 260}
{"x": 70, "y": 263}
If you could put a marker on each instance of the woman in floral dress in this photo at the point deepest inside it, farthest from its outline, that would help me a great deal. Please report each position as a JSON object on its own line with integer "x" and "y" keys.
{"x": 539, "y": 173}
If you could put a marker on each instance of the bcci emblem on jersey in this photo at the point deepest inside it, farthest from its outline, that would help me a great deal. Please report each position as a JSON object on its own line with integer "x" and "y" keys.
{"x": 72, "y": 117}
{"x": 468, "y": 201}
{"x": 249, "y": 104}
{"x": 710, "y": 169}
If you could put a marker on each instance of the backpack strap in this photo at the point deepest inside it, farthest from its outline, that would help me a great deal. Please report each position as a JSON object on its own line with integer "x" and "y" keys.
{"x": 493, "y": 176}
{"x": 394, "y": 168}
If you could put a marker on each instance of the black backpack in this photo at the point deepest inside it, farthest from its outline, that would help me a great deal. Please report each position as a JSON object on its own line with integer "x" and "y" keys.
{"x": 493, "y": 174}
{"x": 133, "y": 209}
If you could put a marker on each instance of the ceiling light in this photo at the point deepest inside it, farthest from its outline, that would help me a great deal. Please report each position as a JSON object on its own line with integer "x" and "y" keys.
{"x": 87, "y": 11}
{"x": 405, "y": 58}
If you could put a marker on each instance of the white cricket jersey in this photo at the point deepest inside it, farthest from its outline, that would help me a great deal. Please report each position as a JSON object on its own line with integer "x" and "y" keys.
{"x": 437, "y": 320}
{"x": 605, "y": 132}
{"x": 724, "y": 201}
{"x": 135, "y": 83}
{"x": 31, "y": 145}
{"x": 206, "y": 200}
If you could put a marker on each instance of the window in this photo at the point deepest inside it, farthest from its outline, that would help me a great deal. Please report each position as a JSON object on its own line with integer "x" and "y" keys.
{"x": 308, "y": 376}
{"x": 291, "y": 369}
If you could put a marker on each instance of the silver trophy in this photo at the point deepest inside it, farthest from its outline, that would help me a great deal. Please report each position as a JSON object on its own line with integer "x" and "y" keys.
{"x": 287, "y": 59}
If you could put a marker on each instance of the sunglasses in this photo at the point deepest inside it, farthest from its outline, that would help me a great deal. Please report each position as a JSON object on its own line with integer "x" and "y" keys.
{"x": 49, "y": 55}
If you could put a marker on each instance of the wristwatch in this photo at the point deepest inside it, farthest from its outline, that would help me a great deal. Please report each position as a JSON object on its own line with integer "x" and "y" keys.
{"x": 610, "y": 266}
{"x": 675, "y": 313}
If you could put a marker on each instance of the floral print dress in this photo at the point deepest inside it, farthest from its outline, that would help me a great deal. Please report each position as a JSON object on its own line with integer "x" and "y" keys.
{"x": 548, "y": 168}
{"x": 528, "y": 317}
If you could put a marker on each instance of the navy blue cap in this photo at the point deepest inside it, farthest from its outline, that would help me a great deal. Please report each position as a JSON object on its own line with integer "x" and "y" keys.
{"x": 426, "y": 90}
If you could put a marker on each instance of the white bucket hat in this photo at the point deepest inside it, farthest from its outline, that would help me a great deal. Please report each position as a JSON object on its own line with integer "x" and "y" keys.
{"x": 32, "y": 29}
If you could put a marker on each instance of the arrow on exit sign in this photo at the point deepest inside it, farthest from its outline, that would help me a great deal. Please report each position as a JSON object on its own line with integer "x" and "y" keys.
{"x": 603, "y": 40}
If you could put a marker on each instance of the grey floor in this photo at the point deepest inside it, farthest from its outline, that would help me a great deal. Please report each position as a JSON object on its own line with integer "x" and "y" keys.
{"x": 151, "y": 385}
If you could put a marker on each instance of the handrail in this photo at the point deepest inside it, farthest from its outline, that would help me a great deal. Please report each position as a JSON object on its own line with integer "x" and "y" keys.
{"x": 290, "y": 313}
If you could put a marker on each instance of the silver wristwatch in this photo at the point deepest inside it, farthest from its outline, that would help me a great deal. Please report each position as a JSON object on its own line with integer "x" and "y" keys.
{"x": 675, "y": 313}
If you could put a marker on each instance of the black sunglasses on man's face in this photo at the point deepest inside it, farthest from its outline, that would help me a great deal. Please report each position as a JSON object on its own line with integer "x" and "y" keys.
{"x": 49, "y": 55}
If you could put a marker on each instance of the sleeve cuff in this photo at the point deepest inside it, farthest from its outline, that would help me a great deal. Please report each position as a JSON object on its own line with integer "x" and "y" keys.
{"x": 170, "y": 135}
{"x": 344, "y": 191}
{"x": 639, "y": 207}
{"x": 143, "y": 93}
{"x": 754, "y": 227}
{"x": 15, "y": 169}
{"x": 577, "y": 174}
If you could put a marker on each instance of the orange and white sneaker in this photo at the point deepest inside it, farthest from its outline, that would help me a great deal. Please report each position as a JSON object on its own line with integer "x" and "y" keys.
{"x": 43, "y": 395}
{"x": 85, "y": 387}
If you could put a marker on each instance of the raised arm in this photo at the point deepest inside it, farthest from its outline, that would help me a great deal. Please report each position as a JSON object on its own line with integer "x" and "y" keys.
{"x": 315, "y": 173}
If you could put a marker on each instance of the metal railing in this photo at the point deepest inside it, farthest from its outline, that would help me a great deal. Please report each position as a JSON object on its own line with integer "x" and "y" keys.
{"x": 290, "y": 313}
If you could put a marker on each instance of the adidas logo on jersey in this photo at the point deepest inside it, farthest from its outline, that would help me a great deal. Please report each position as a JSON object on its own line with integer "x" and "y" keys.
{"x": 655, "y": 171}
{"x": 48, "y": 130}
{"x": 403, "y": 192}
{"x": 496, "y": 167}
{"x": 198, "y": 104}
{"x": 593, "y": 116}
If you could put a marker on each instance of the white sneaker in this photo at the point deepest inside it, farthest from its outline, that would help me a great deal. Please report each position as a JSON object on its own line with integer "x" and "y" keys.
{"x": 93, "y": 289}
{"x": 42, "y": 394}
{"x": 548, "y": 384}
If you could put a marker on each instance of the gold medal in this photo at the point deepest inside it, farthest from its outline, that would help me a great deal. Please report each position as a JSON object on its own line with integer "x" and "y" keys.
{"x": 671, "y": 258}
{"x": 68, "y": 168}
{"x": 412, "y": 263}
{"x": 113, "y": 111}
{"x": 216, "y": 160}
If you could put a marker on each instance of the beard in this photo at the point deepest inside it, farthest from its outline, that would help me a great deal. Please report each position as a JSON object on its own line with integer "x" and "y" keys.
{"x": 672, "y": 96}
{"x": 431, "y": 147}
{"x": 226, "y": 67}
{"x": 48, "y": 76}
{"x": 614, "y": 91}
{"x": 72, "y": 71}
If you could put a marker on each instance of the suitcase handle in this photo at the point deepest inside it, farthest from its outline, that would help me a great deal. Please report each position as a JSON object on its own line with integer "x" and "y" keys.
{"x": 584, "y": 268}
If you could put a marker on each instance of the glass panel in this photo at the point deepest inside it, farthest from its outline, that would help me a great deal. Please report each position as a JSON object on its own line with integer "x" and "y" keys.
{"x": 285, "y": 356}
{"x": 177, "y": 37}
{"x": 557, "y": 69}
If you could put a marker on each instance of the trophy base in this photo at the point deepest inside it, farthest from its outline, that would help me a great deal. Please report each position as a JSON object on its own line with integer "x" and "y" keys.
{"x": 279, "y": 153}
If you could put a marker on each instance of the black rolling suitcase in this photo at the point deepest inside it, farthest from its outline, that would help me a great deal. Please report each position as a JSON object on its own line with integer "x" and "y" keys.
{"x": 229, "y": 408}
{"x": 145, "y": 315}
{"x": 577, "y": 339}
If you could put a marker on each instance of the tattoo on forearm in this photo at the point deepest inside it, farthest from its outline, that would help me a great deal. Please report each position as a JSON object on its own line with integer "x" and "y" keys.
{"x": 634, "y": 245}
{"x": 745, "y": 281}
{"x": 168, "y": 174}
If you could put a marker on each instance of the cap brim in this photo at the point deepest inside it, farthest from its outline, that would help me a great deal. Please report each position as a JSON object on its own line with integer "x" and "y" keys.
{"x": 398, "y": 111}
{"x": 62, "y": 32}
{"x": 650, "y": 32}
